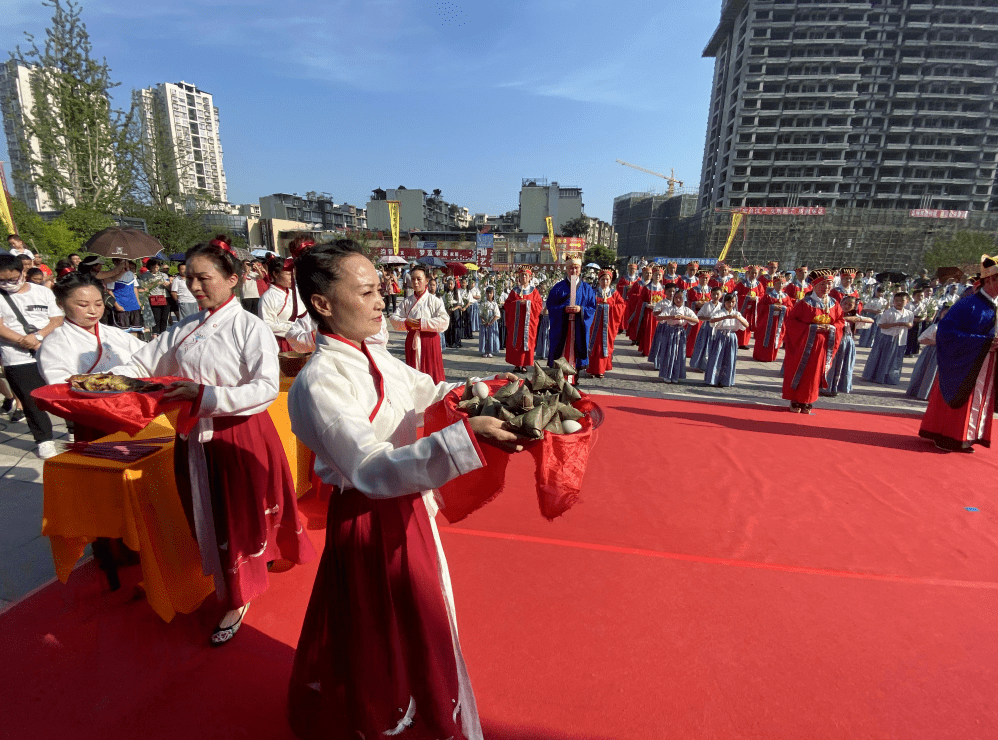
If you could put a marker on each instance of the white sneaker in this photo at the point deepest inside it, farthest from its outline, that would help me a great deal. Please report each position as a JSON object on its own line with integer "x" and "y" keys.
{"x": 46, "y": 450}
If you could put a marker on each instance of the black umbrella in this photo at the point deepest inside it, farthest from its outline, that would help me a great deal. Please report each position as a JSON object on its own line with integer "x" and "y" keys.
{"x": 131, "y": 244}
{"x": 432, "y": 262}
{"x": 891, "y": 277}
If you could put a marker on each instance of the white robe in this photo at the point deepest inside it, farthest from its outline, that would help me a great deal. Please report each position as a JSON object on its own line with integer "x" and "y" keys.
{"x": 233, "y": 355}
{"x": 71, "y": 350}
{"x": 275, "y": 308}
{"x": 428, "y": 310}
{"x": 301, "y": 335}
{"x": 367, "y": 440}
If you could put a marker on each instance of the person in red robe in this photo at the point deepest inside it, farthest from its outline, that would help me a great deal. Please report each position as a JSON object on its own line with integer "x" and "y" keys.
{"x": 696, "y": 297}
{"x": 749, "y": 291}
{"x": 771, "y": 321}
{"x": 626, "y": 281}
{"x": 766, "y": 276}
{"x": 798, "y": 287}
{"x": 632, "y": 313}
{"x": 962, "y": 402}
{"x": 609, "y": 313}
{"x": 652, "y": 294}
{"x": 814, "y": 330}
{"x": 846, "y": 287}
{"x": 522, "y": 311}
{"x": 723, "y": 278}
{"x": 689, "y": 280}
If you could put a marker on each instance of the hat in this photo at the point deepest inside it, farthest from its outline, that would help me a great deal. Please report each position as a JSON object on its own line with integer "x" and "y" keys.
{"x": 989, "y": 266}
{"x": 524, "y": 269}
{"x": 606, "y": 272}
{"x": 848, "y": 271}
{"x": 92, "y": 261}
{"x": 817, "y": 276}
{"x": 708, "y": 273}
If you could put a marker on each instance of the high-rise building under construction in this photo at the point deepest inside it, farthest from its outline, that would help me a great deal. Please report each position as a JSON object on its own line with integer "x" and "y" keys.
{"x": 883, "y": 104}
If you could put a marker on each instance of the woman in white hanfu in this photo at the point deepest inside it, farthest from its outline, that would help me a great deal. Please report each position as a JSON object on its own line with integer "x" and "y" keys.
{"x": 424, "y": 317}
{"x": 378, "y": 653}
{"x": 281, "y": 306}
{"x": 232, "y": 474}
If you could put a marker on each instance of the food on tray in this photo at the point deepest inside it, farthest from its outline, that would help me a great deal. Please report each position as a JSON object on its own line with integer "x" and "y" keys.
{"x": 541, "y": 404}
{"x": 111, "y": 383}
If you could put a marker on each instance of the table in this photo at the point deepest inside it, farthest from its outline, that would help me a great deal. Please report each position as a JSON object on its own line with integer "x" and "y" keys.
{"x": 87, "y": 498}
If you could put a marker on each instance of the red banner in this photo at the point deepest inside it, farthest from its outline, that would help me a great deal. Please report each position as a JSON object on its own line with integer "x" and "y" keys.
{"x": 816, "y": 211}
{"x": 481, "y": 257}
{"x": 928, "y": 213}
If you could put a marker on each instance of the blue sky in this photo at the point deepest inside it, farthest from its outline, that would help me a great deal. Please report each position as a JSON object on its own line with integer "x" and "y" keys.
{"x": 468, "y": 97}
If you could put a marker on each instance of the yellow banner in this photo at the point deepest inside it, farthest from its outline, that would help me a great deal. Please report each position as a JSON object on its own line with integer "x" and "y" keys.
{"x": 736, "y": 221}
{"x": 393, "y": 215}
{"x": 5, "y": 216}
{"x": 554, "y": 247}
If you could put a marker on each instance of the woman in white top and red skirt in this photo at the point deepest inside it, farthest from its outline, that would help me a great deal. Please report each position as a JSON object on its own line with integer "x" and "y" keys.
{"x": 232, "y": 474}
{"x": 379, "y": 653}
{"x": 280, "y": 306}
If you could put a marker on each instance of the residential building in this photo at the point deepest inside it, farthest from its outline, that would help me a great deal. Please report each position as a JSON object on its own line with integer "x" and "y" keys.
{"x": 250, "y": 210}
{"x": 848, "y": 104}
{"x": 180, "y": 123}
{"x": 316, "y": 209}
{"x": 602, "y": 233}
{"x": 645, "y": 223}
{"x": 540, "y": 199}
{"x": 15, "y": 99}
{"x": 417, "y": 211}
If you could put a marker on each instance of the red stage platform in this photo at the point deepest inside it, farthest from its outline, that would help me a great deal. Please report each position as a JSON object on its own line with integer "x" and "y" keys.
{"x": 731, "y": 572}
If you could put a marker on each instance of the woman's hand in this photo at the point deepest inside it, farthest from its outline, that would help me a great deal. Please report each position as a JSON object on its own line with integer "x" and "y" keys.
{"x": 495, "y": 432}
{"x": 181, "y": 390}
{"x": 506, "y": 376}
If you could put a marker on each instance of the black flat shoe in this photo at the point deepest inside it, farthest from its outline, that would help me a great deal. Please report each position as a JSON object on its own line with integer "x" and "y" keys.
{"x": 222, "y": 635}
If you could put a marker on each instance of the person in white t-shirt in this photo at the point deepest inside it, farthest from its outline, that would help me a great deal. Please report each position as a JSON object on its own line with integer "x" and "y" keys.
{"x": 16, "y": 246}
{"x": 28, "y": 313}
{"x": 185, "y": 299}
{"x": 250, "y": 296}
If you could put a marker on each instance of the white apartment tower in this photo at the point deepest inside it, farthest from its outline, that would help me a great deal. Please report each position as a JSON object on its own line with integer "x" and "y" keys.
{"x": 15, "y": 98}
{"x": 186, "y": 119}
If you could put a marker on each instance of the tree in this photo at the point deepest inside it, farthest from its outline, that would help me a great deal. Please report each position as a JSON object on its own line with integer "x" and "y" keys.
{"x": 576, "y": 227}
{"x": 963, "y": 248}
{"x": 157, "y": 167}
{"x": 84, "y": 223}
{"x": 55, "y": 239}
{"x": 603, "y": 256}
{"x": 83, "y": 153}
{"x": 176, "y": 230}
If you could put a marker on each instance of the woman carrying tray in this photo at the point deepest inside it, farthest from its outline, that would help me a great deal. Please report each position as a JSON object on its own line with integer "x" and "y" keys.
{"x": 232, "y": 474}
{"x": 379, "y": 650}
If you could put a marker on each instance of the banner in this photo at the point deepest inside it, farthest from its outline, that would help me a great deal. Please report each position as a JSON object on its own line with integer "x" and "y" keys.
{"x": 566, "y": 243}
{"x": 484, "y": 243}
{"x": 778, "y": 211}
{"x": 928, "y": 213}
{"x": 5, "y": 215}
{"x": 552, "y": 244}
{"x": 736, "y": 221}
{"x": 467, "y": 252}
{"x": 393, "y": 216}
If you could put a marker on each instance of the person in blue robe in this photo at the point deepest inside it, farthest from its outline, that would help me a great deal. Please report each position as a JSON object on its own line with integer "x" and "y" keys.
{"x": 563, "y": 317}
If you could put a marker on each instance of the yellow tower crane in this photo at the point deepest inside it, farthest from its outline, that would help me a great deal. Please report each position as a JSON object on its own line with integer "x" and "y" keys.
{"x": 670, "y": 178}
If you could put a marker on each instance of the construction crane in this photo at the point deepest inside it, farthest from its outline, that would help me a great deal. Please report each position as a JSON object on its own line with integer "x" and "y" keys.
{"x": 671, "y": 179}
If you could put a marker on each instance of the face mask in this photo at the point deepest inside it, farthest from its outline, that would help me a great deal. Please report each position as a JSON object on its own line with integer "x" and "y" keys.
{"x": 12, "y": 286}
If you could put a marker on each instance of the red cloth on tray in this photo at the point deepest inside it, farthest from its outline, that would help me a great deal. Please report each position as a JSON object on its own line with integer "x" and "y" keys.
{"x": 127, "y": 412}
{"x": 560, "y": 462}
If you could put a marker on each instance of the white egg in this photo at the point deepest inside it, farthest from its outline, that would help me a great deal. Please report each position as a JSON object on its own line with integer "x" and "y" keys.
{"x": 571, "y": 426}
{"x": 480, "y": 390}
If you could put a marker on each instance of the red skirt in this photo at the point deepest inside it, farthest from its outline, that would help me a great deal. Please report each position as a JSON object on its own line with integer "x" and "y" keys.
{"x": 376, "y": 639}
{"x": 962, "y": 428}
{"x": 691, "y": 339}
{"x": 283, "y": 345}
{"x": 646, "y": 331}
{"x": 252, "y": 499}
{"x": 431, "y": 361}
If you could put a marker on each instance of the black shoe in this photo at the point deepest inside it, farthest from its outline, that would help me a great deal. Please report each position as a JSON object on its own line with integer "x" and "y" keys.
{"x": 222, "y": 635}
{"x": 8, "y": 404}
{"x": 16, "y": 416}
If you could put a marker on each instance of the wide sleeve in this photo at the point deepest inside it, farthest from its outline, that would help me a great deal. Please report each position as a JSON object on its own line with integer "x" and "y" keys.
{"x": 270, "y": 312}
{"x": 438, "y": 320}
{"x": 301, "y": 334}
{"x": 56, "y": 358}
{"x": 330, "y": 421}
{"x": 259, "y": 354}
{"x": 397, "y": 318}
{"x": 154, "y": 359}
{"x": 588, "y": 304}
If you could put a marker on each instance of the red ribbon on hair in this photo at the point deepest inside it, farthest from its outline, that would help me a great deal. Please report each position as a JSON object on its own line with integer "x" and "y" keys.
{"x": 224, "y": 246}
{"x": 302, "y": 248}
{"x": 288, "y": 265}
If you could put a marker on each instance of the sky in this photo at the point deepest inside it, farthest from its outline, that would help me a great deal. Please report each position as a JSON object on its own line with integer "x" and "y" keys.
{"x": 469, "y": 97}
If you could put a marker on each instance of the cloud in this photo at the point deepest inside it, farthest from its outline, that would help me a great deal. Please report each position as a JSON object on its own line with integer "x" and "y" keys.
{"x": 613, "y": 85}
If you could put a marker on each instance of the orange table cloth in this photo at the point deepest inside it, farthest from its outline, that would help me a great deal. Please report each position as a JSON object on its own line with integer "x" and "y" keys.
{"x": 88, "y": 497}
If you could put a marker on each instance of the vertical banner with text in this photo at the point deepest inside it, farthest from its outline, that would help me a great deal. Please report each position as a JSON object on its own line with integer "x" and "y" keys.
{"x": 393, "y": 216}
{"x": 554, "y": 248}
{"x": 5, "y": 215}
{"x": 736, "y": 220}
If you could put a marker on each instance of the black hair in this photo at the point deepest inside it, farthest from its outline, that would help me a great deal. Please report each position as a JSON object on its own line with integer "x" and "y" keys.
{"x": 717, "y": 287}
{"x": 32, "y": 272}
{"x": 318, "y": 270}
{"x": 226, "y": 262}
{"x": 151, "y": 263}
{"x": 11, "y": 262}
{"x": 24, "y": 257}
{"x": 65, "y": 285}
{"x": 422, "y": 269}
{"x": 63, "y": 265}
{"x": 91, "y": 264}
{"x": 728, "y": 297}
{"x": 14, "y": 236}
{"x": 275, "y": 266}
{"x": 71, "y": 255}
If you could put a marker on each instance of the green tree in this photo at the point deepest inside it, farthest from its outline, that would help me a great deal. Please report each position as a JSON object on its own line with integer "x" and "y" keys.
{"x": 83, "y": 154}
{"x": 84, "y": 222}
{"x": 157, "y": 166}
{"x": 963, "y": 248}
{"x": 576, "y": 227}
{"x": 603, "y": 256}
{"x": 54, "y": 239}
{"x": 176, "y": 230}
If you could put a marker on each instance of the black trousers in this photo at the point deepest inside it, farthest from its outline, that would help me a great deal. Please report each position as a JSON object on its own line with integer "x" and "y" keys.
{"x": 453, "y": 334}
{"x": 160, "y": 318}
{"x": 251, "y": 305}
{"x": 22, "y": 380}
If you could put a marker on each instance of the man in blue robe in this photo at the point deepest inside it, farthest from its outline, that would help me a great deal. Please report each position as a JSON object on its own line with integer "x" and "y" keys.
{"x": 962, "y": 400}
{"x": 571, "y": 322}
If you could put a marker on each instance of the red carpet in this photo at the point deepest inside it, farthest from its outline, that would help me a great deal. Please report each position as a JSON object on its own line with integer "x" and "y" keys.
{"x": 731, "y": 572}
